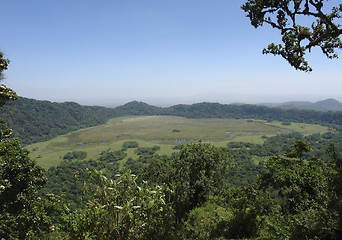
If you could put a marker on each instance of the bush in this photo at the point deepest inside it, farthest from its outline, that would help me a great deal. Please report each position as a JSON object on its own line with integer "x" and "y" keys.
{"x": 80, "y": 155}
{"x": 130, "y": 144}
{"x": 207, "y": 222}
{"x": 286, "y": 123}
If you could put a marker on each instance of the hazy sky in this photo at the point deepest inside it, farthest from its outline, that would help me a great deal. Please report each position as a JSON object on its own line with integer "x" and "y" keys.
{"x": 157, "y": 51}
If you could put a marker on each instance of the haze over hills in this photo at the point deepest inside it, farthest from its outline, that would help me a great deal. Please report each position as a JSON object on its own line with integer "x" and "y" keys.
{"x": 329, "y": 104}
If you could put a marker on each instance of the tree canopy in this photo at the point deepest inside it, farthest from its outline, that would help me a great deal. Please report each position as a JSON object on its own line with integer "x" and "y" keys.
{"x": 291, "y": 17}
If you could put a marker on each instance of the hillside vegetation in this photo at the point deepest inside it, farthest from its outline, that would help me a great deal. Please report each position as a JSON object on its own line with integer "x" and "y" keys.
{"x": 35, "y": 121}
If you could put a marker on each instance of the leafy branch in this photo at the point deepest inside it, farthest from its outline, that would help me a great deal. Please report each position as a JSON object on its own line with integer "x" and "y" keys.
{"x": 285, "y": 16}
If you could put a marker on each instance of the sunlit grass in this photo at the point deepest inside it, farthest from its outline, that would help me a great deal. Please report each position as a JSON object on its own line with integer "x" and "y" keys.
{"x": 149, "y": 131}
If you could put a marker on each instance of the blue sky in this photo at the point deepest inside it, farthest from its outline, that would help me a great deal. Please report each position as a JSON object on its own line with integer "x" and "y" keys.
{"x": 158, "y": 51}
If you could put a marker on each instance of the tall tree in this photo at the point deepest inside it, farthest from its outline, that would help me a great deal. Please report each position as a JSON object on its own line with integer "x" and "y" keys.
{"x": 290, "y": 17}
{"x": 199, "y": 169}
{"x": 22, "y": 213}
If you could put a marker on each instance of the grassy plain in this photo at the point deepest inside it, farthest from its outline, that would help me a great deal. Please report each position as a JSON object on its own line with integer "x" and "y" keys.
{"x": 162, "y": 131}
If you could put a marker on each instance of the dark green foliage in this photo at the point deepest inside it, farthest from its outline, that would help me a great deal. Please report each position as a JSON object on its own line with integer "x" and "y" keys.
{"x": 199, "y": 170}
{"x": 199, "y": 203}
{"x": 130, "y": 144}
{"x": 108, "y": 156}
{"x": 146, "y": 150}
{"x": 275, "y": 145}
{"x": 336, "y": 183}
{"x": 68, "y": 177}
{"x": 245, "y": 170}
{"x": 248, "y": 208}
{"x": 121, "y": 209}
{"x": 206, "y": 222}
{"x": 22, "y": 213}
{"x": 146, "y": 156}
{"x": 286, "y": 123}
{"x": 35, "y": 121}
{"x": 138, "y": 108}
{"x": 304, "y": 194}
{"x": 80, "y": 155}
{"x": 178, "y": 147}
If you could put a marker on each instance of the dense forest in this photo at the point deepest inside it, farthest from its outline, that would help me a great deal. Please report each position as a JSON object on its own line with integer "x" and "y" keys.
{"x": 202, "y": 192}
{"x": 35, "y": 121}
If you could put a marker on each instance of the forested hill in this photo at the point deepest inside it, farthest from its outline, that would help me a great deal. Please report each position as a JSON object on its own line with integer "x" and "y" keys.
{"x": 217, "y": 110}
{"x": 34, "y": 121}
{"x": 139, "y": 108}
{"x": 323, "y": 106}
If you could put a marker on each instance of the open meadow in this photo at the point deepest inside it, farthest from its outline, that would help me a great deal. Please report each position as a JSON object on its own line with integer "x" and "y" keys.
{"x": 163, "y": 131}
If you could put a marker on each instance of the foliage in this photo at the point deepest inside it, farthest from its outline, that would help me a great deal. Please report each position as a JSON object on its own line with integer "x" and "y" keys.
{"x": 109, "y": 156}
{"x": 3, "y": 65}
{"x": 297, "y": 35}
{"x": 146, "y": 150}
{"x": 304, "y": 190}
{"x": 68, "y": 177}
{"x": 206, "y": 222}
{"x": 35, "y": 121}
{"x": 75, "y": 155}
{"x": 121, "y": 209}
{"x": 6, "y": 94}
{"x": 199, "y": 170}
{"x": 23, "y": 214}
{"x": 130, "y": 144}
{"x": 245, "y": 170}
{"x": 146, "y": 156}
{"x": 249, "y": 208}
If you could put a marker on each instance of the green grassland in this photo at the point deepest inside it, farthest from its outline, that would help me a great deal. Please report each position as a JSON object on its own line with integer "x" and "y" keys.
{"x": 162, "y": 131}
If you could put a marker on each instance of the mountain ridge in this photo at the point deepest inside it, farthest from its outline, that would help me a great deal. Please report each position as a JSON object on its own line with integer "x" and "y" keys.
{"x": 326, "y": 105}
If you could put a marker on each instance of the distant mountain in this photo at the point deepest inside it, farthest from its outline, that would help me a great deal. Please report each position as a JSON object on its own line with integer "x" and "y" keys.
{"x": 330, "y": 104}
{"x": 323, "y": 106}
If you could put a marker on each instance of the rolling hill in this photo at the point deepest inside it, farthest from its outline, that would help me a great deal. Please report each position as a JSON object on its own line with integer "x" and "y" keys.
{"x": 323, "y": 106}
